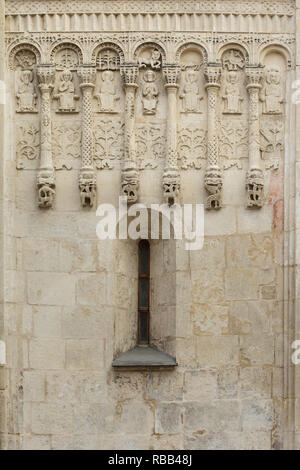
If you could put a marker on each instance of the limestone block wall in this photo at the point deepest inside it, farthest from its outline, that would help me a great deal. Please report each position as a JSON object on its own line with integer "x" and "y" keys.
{"x": 192, "y": 116}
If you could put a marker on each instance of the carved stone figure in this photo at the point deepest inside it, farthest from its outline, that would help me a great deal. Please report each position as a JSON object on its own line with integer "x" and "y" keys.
{"x": 232, "y": 94}
{"x": 107, "y": 95}
{"x": 150, "y": 93}
{"x": 66, "y": 93}
{"x": 87, "y": 186}
{"x": 272, "y": 93}
{"x": 190, "y": 94}
{"x": 154, "y": 62}
{"x": 26, "y": 93}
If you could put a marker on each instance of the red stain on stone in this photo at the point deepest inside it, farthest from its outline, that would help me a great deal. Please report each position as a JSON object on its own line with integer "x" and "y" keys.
{"x": 278, "y": 215}
{"x": 276, "y": 187}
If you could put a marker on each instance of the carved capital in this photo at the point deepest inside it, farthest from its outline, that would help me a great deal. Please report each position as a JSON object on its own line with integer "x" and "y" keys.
{"x": 212, "y": 75}
{"x": 87, "y": 76}
{"x": 254, "y": 76}
{"x": 46, "y": 188}
{"x": 129, "y": 73}
{"x": 46, "y": 76}
{"x": 130, "y": 183}
{"x": 171, "y": 74}
{"x": 255, "y": 188}
{"x": 87, "y": 186}
{"x": 171, "y": 185}
{"x": 213, "y": 184}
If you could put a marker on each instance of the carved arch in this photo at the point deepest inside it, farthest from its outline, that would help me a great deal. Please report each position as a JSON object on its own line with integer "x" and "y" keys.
{"x": 279, "y": 49}
{"x": 113, "y": 46}
{"x": 71, "y": 63}
{"x": 31, "y": 56}
{"x": 142, "y": 45}
{"x": 233, "y": 46}
{"x": 191, "y": 46}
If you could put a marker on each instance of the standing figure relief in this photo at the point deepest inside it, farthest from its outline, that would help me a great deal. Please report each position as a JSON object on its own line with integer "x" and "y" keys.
{"x": 149, "y": 93}
{"x": 272, "y": 93}
{"x": 107, "y": 94}
{"x": 232, "y": 94}
{"x": 26, "y": 93}
{"x": 190, "y": 94}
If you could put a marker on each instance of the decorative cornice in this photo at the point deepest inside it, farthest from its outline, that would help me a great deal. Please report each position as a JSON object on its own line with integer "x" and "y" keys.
{"x": 265, "y": 7}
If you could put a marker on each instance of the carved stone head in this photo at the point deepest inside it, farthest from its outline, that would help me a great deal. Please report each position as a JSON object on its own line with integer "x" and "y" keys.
{"x": 27, "y": 77}
{"x": 107, "y": 76}
{"x": 273, "y": 75}
{"x": 232, "y": 77}
{"x": 150, "y": 76}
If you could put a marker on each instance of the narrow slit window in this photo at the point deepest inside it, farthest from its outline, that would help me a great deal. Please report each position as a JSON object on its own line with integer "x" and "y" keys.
{"x": 144, "y": 292}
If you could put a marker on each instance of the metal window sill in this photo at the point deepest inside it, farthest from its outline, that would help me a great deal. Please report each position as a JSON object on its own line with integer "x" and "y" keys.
{"x": 144, "y": 357}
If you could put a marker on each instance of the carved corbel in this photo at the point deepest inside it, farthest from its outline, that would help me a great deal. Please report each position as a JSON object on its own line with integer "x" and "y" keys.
{"x": 171, "y": 177}
{"x": 213, "y": 177}
{"x": 87, "y": 177}
{"x": 46, "y": 176}
{"x": 130, "y": 175}
{"x": 255, "y": 176}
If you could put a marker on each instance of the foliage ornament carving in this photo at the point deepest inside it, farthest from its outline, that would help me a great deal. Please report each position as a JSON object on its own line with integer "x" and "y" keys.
{"x": 27, "y": 145}
{"x": 109, "y": 142}
{"x": 192, "y": 147}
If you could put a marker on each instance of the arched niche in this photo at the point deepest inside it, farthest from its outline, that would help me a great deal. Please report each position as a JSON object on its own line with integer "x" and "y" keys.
{"x": 151, "y": 93}
{"x": 108, "y": 57}
{"x": 24, "y": 57}
{"x": 66, "y": 55}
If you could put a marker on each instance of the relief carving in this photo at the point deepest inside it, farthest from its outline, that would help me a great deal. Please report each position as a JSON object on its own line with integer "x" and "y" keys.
{"x": 109, "y": 142}
{"x": 192, "y": 147}
{"x": 233, "y": 143}
{"x": 190, "y": 93}
{"x": 154, "y": 61}
{"x": 107, "y": 94}
{"x": 149, "y": 93}
{"x": 65, "y": 93}
{"x": 233, "y": 59}
{"x": 272, "y": 144}
{"x": 66, "y": 144}
{"x": 232, "y": 94}
{"x": 26, "y": 93}
{"x": 150, "y": 142}
{"x": 67, "y": 58}
{"x": 272, "y": 92}
{"x": 24, "y": 59}
{"x": 27, "y": 146}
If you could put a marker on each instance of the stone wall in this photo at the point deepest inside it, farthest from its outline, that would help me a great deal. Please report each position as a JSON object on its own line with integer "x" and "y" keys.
{"x": 190, "y": 116}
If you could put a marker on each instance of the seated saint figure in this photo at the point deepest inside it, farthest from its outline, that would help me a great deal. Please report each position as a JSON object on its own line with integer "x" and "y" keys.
{"x": 26, "y": 96}
{"x": 149, "y": 93}
{"x": 107, "y": 95}
{"x": 66, "y": 92}
{"x": 190, "y": 94}
{"x": 272, "y": 94}
{"x": 232, "y": 95}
